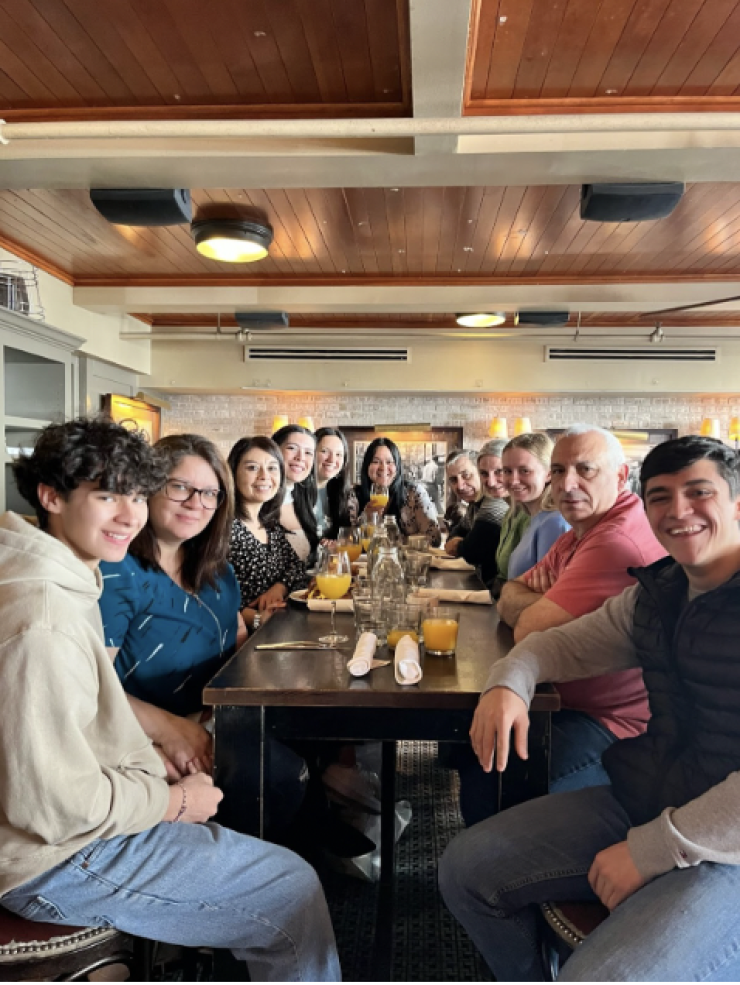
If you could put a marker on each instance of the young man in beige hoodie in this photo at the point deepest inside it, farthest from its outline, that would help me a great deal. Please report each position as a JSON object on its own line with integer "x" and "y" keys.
{"x": 91, "y": 833}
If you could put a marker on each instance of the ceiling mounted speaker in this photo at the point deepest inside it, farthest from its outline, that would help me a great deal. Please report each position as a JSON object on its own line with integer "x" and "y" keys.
{"x": 543, "y": 318}
{"x": 143, "y": 206}
{"x": 633, "y": 202}
{"x": 261, "y": 321}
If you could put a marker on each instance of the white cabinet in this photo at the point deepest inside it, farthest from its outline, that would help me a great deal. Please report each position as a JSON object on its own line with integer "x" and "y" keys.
{"x": 37, "y": 387}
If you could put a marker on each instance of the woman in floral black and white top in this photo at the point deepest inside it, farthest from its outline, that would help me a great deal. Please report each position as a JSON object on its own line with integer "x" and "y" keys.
{"x": 266, "y": 566}
{"x": 409, "y": 502}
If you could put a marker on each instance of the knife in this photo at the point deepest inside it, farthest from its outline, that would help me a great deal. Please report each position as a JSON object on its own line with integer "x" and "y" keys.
{"x": 299, "y": 645}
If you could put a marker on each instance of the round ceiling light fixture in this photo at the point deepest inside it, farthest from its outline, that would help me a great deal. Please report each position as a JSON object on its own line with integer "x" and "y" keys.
{"x": 231, "y": 240}
{"x": 481, "y": 320}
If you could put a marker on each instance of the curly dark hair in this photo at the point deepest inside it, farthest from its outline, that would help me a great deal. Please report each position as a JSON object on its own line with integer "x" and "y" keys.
{"x": 677, "y": 454}
{"x": 269, "y": 513}
{"x": 205, "y": 555}
{"x": 119, "y": 459}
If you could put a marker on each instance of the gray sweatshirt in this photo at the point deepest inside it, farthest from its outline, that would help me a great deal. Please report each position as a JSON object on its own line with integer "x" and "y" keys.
{"x": 705, "y": 829}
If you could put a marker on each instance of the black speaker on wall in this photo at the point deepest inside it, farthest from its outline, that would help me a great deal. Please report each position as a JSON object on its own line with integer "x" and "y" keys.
{"x": 143, "y": 206}
{"x": 631, "y": 202}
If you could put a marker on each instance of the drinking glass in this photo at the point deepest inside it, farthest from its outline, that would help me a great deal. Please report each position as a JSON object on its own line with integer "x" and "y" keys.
{"x": 333, "y": 579}
{"x": 403, "y": 620}
{"x": 418, "y": 542}
{"x": 349, "y": 540}
{"x": 367, "y": 532}
{"x": 370, "y": 617}
{"x": 440, "y": 626}
{"x": 379, "y": 495}
{"x": 417, "y": 569}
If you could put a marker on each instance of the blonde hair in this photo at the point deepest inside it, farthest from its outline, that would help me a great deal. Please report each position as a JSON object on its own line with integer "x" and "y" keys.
{"x": 539, "y": 445}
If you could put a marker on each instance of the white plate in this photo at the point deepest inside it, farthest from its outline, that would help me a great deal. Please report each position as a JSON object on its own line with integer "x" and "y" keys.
{"x": 299, "y": 596}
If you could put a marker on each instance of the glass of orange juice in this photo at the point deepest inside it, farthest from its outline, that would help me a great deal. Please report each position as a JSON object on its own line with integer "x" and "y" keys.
{"x": 440, "y": 627}
{"x": 403, "y": 620}
{"x": 378, "y": 495}
{"x": 333, "y": 580}
{"x": 367, "y": 532}
{"x": 349, "y": 540}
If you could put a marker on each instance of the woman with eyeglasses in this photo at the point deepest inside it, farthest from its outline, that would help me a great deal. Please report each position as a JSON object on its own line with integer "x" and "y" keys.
{"x": 298, "y": 448}
{"x": 336, "y": 502}
{"x": 171, "y": 608}
{"x": 408, "y": 501}
{"x": 267, "y": 568}
{"x": 475, "y": 481}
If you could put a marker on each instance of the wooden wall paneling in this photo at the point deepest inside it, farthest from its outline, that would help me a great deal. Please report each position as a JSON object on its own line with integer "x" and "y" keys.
{"x": 377, "y": 227}
{"x": 708, "y": 23}
{"x": 433, "y": 202}
{"x": 233, "y": 48}
{"x": 630, "y": 48}
{"x": 474, "y": 241}
{"x": 315, "y": 233}
{"x": 323, "y": 204}
{"x": 673, "y": 26}
{"x": 554, "y": 211}
{"x": 384, "y": 48}
{"x": 290, "y": 36}
{"x": 361, "y": 229}
{"x": 552, "y": 234}
{"x": 195, "y": 26}
{"x": 353, "y": 47}
{"x": 316, "y": 17}
{"x": 728, "y": 80}
{"x": 539, "y": 45}
{"x": 254, "y": 26}
{"x": 166, "y": 39}
{"x": 504, "y": 58}
{"x": 16, "y": 61}
{"x": 283, "y": 260}
{"x": 506, "y": 217}
{"x": 20, "y": 226}
{"x": 610, "y": 22}
{"x": 69, "y": 79}
{"x": 718, "y": 55}
{"x": 481, "y": 38}
{"x": 396, "y": 220}
{"x": 294, "y": 242}
{"x": 577, "y": 23}
{"x": 526, "y": 223}
{"x": 454, "y": 222}
{"x": 413, "y": 207}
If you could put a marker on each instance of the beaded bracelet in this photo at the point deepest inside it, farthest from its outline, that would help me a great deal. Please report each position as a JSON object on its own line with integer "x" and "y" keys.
{"x": 184, "y": 805}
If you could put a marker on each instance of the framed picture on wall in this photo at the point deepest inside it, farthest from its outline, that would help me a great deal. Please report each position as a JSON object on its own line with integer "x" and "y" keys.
{"x": 422, "y": 452}
{"x": 134, "y": 414}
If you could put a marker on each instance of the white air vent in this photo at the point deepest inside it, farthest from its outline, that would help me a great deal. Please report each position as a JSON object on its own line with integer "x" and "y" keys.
{"x": 653, "y": 354}
{"x": 257, "y": 353}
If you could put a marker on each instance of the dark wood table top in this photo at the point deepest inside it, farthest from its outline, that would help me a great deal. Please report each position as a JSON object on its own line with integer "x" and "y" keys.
{"x": 320, "y": 678}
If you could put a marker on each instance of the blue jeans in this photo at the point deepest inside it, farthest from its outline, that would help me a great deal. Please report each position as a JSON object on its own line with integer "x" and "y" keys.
{"x": 197, "y": 885}
{"x": 682, "y": 926}
{"x": 578, "y": 740}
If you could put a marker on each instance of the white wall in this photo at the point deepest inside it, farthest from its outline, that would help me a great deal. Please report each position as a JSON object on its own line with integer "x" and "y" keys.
{"x": 101, "y": 332}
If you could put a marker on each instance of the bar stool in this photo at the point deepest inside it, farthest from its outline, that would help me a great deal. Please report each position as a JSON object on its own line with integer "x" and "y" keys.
{"x": 566, "y": 927}
{"x": 37, "y": 952}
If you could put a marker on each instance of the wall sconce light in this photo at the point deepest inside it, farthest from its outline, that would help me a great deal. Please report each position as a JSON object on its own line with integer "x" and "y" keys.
{"x": 734, "y": 431}
{"x": 280, "y": 421}
{"x": 710, "y": 428}
{"x": 522, "y": 425}
{"x": 231, "y": 240}
{"x": 481, "y": 319}
{"x": 306, "y": 422}
{"x": 498, "y": 428}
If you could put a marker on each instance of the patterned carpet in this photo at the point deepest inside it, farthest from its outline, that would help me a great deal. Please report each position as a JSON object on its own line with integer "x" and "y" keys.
{"x": 429, "y": 944}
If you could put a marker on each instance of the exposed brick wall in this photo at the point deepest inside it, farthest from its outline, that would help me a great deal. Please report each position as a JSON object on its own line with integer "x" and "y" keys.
{"x": 226, "y": 418}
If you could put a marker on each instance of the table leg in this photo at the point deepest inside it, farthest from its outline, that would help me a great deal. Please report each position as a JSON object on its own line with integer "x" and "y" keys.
{"x": 241, "y": 757}
{"x": 383, "y": 960}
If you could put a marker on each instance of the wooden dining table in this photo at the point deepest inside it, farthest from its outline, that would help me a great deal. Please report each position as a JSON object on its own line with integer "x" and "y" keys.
{"x": 310, "y": 695}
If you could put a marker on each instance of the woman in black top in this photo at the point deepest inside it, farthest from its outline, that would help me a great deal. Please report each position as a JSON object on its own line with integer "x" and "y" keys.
{"x": 266, "y": 566}
{"x": 336, "y": 503}
{"x": 298, "y": 448}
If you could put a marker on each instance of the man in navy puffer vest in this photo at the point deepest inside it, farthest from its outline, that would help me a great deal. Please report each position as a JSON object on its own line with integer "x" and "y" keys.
{"x": 660, "y": 846}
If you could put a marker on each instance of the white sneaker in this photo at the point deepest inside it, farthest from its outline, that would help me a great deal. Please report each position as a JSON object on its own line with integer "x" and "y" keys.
{"x": 354, "y": 786}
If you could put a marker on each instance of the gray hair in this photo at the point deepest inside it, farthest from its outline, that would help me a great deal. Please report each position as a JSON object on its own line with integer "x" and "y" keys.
{"x": 458, "y": 453}
{"x": 615, "y": 452}
{"x": 494, "y": 447}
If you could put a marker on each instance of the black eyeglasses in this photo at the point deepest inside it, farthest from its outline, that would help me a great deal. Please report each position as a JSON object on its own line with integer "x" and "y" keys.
{"x": 181, "y": 492}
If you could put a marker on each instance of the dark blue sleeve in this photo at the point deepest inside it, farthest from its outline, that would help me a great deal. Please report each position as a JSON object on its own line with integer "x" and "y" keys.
{"x": 231, "y": 596}
{"x": 120, "y": 601}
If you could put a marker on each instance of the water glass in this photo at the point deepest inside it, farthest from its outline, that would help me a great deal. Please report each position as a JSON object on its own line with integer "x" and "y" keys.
{"x": 441, "y": 625}
{"x": 403, "y": 620}
{"x": 423, "y": 604}
{"x": 417, "y": 569}
{"x": 370, "y": 617}
{"x": 418, "y": 542}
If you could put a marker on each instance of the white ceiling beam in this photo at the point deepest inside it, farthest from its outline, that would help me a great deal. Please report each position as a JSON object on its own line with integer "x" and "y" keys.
{"x": 396, "y": 299}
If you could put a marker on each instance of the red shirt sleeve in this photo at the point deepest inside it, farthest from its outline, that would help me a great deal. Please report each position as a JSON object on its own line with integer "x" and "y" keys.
{"x": 596, "y": 572}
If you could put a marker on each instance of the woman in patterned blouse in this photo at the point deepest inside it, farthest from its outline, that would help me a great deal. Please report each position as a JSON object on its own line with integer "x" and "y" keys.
{"x": 266, "y": 566}
{"x": 409, "y": 502}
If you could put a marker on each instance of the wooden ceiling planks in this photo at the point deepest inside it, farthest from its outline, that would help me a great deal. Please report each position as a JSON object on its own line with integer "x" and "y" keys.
{"x": 113, "y": 59}
{"x": 614, "y": 52}
{"x": 479, "y": 232}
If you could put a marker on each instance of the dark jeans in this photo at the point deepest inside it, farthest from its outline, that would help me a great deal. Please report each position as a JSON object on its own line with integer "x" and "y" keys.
{"x": 578, "y": 740}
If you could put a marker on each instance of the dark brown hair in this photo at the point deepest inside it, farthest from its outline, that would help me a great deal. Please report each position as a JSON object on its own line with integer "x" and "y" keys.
{"x": 269, "y": 513}
{"x": 205, "y": 554}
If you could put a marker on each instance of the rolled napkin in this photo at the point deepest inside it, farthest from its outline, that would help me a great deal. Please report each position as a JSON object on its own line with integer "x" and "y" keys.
{"x": 361, "y": 661}
{"x": 324, "y": 605}
{"x": 408, "y": 668}
{"x": 451, "y": 564}
{"x": 479, "y": 597}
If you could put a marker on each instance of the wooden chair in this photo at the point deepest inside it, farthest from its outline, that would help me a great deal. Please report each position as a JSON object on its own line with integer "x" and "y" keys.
{"x": 38, "y": 952}
{"x": 566, "y": 927}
